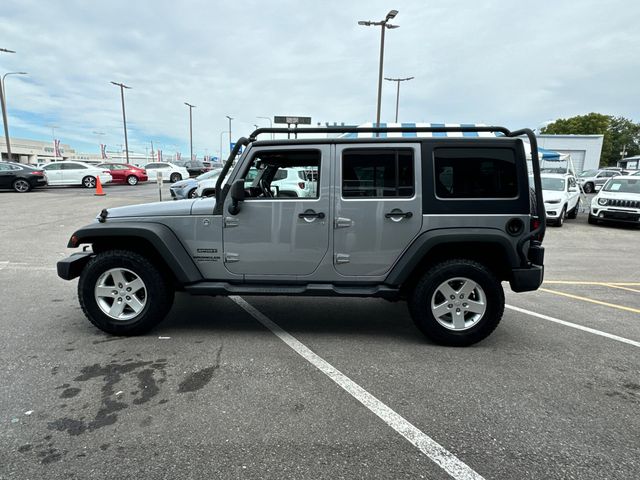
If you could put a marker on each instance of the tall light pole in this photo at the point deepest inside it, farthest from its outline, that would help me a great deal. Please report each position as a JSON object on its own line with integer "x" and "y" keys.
{"x": 270, "y": 124}
{"x": 190, "y": 130}
{"x": 222, "y": 133}
{"x": 4, "y": 113}
{"x": 382, "y": 24}
{"x": 230, "y": 118}
{"x": 398, "y": 80}
{"x": 124, "y": 117}
{"x": 3, "y": 101}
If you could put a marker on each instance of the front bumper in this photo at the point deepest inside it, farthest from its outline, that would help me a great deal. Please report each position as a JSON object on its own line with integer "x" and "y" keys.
{"x": 71, "y": 267}
{"x": 616, "y": 214}
{"x": 553, "y": 210}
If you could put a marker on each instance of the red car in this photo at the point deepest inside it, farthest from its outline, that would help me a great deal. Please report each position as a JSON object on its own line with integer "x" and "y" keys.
{"x": 123, "y": 173}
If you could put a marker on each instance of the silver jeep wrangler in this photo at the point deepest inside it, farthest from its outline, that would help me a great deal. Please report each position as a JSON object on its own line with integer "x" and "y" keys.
{"x": 437, "y": 221}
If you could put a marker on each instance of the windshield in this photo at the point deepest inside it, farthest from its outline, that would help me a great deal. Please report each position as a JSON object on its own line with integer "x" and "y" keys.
{"x": 210, "y": 174}
{"x": 588, "y": 173}
{"x": 623, "y": 185}
{"x": 556, "y": 184}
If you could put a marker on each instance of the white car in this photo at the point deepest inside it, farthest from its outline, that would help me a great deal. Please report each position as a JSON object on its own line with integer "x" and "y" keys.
{"x": 170, "y": 172}
{"x": 561, "y": 197}
{"x": 618, "y": 201}
{"x": 75, "y": 173}
{"x": 287, "y": 182}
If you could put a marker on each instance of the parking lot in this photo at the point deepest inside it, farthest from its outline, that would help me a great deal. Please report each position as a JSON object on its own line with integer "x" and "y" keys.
{"x": 260, "y": 387}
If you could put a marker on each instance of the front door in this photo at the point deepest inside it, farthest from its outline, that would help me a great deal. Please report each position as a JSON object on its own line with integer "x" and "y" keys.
{"x": 278, "y": 232}
{"x": 378, "y": 205}
{"x": 54, "y": 173}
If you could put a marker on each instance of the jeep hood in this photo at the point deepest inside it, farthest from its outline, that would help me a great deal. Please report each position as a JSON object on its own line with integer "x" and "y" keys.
{"x": 176, "y": 208}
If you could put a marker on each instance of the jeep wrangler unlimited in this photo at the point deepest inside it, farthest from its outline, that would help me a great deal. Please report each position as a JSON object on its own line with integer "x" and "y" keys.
{"x": 408, "y": 214}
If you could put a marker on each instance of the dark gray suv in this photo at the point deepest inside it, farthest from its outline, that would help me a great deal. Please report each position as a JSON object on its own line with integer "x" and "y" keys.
{"x": 436, "y": 221}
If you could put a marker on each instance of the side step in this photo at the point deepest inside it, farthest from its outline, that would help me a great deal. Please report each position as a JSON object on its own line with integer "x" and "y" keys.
{"x": 311, "y": 289}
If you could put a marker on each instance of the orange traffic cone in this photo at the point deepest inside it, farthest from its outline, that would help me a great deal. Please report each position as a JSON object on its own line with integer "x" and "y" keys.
{"x": 99, "y": 191}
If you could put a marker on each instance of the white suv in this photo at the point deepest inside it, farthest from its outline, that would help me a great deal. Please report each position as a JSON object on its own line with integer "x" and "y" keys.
{"x": 561, "y": 197}
{"x": 618, "y": 201}
{"x": 170, "y": 172}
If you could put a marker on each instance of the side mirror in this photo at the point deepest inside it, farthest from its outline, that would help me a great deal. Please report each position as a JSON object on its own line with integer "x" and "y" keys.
{"x": 237, "y": 196}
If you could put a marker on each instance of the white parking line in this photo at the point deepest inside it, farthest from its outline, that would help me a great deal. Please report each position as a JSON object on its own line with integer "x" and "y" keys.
{"x": 432, "y": 449}
{"x": 574, "y": 325}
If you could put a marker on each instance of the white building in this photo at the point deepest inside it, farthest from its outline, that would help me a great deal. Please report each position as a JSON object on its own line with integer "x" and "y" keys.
{"x": 630, "y": 163}
{"x": 585, "y": 150}
{"x": 36, "y": 151}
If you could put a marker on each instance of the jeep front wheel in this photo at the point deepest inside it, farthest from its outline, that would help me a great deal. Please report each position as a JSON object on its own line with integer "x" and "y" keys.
{"x": 457, "y": 302}
{"x": 122, "y": 293}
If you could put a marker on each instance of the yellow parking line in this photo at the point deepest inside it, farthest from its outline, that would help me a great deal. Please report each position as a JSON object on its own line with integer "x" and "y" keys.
{"x": 613, "y": 285}
{"x": 598, "y": 302}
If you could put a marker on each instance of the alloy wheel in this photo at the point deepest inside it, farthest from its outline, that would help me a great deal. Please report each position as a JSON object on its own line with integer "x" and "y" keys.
{"x": 458, "y": 303}
{"x": 121, "y": 294}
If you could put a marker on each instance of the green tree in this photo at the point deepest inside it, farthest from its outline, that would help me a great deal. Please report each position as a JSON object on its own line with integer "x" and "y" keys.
{"x": 618, "y": 132}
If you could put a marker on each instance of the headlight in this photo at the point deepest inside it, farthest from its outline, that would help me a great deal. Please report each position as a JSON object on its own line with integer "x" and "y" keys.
{"x": 602, "y": 201}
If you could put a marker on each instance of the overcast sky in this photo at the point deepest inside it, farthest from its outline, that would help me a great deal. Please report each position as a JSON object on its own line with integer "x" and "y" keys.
{"x": 498, "y": 62}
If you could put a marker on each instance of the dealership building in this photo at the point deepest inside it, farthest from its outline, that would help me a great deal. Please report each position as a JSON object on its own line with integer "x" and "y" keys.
{"x": 585, "y": 150}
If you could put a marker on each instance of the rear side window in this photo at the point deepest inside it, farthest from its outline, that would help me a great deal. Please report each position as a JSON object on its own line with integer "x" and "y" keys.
{"x": 377, "y": 173}
{"x": 475, "y": 173}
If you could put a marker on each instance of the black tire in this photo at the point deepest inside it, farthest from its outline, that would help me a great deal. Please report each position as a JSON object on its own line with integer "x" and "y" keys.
{"x": 192, "y": 193}
{"x": 89, "y": 182}
{"x": 158, "y": 289}
{"x": 175, "y": 177}
{"x": 563, "y": 213}
{"x": 132, "y": 180}
{"x": 425, "y": 290}
{"x": 573, "y": 214}
{"x": 588, "y": 187}
{"x": 592, "y": 220}
{"x": 21, "y": 185}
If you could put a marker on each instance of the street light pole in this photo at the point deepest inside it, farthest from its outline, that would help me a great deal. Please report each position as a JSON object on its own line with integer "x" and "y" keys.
{"x": 382, "y": 24}
{"x": 398, "y": 80}
{"x": 230, "y": 118}
{"x": 124, "y": 117}
{"x": 221, "y": 135}
{"x": 190, "y": 130}
{"x": 4, "y": 113}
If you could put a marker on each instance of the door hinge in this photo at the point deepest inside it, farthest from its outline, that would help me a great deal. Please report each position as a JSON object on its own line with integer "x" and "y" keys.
{"x": 342, "y": 258}
{"x": 230, "y": 222}
{"x": 231, "y": 257}
{"x": 342, "y": 222}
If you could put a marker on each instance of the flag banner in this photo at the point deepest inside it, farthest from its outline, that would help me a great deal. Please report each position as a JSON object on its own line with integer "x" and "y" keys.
{"x": 159, "y": 155}
{"x": 56, "y": 148}
{"x": 103, "y": 151}
{"x": 193, "y": 157}
{"x": 178, "y": 156}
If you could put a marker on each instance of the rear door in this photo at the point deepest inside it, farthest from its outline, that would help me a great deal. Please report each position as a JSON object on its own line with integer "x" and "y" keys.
{"x": 7, "y": 175}
{"x": 378, "y": 206}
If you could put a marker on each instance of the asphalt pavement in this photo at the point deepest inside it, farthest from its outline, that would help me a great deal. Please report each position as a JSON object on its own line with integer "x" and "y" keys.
{"x": 311, "y": 388}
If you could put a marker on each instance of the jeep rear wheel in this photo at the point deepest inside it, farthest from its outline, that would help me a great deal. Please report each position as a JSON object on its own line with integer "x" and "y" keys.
{"x": 457, "y": 302}
{"x": 588, "y": 187}
{"x": 122, "y": 293}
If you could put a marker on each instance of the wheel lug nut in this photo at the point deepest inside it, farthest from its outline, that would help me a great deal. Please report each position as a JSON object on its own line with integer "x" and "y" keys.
{"x": 449, "y": 306}
{"x": 465, "y": 305}
{"x": 457, "y": 310}
{"x": 128, "y": 298}
{"x": 115, "y": 292}
{"x": 128, "y": 289}
{"x": 119, "y": 299}
{"x": 461, "y": 296}
{"x": 452, "y": 297}
{"x": 119, "y": 285}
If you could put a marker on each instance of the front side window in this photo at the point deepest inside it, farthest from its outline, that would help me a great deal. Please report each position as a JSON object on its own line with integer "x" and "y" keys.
{"x": 53, "y": 166}
{"x": 370, "y": 173}
{"x": 72, "y": 166}
{"x": 475, "y": 173}
{"x": 268, "y": 174}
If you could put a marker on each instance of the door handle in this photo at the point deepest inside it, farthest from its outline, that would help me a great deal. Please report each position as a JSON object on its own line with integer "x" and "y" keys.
{"x": 311, "y": 214}
{"x": 398, "y": 213}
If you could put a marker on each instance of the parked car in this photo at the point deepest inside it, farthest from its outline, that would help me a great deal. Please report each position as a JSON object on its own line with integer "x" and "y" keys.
{"x": 187, "y": 188}
{"x": 75, "y": 173}
{"x": 636, "y": 173}
{"x": 286, "y": 182}
{"x": 561, "y": 197}
{"x": 194, "y": 167}
{"x": 618, "y": 201}
{"x": 442, "y": 235}
{"x": 124, "y": 173}
{"x": 20, "y": 177}
{"x": 592, "y": 180}
{"x": 170, "y": 172}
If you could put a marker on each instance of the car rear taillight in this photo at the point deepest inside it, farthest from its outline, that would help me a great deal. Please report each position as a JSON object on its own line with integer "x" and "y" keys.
{"x": 106, "y": 171}
{"x": 535, "y": 223}
{"x": 37, "y": 172}
{"x": 301, "y": 184}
